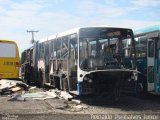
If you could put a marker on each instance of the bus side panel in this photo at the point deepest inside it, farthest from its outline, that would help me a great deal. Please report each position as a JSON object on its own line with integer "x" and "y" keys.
{"x": 8, "y": 68}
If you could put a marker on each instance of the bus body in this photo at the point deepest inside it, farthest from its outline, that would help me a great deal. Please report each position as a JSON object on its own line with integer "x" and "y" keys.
{"x": 148, "y": 57}
{"x": 9, "y": 60}
{"x": 28, "y": 66}
{"x": 86, "y": 60}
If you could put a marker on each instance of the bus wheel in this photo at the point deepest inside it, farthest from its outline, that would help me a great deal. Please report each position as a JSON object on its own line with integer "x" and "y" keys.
{"x": 65, "y": 84}
{"x": 117, "y": 91}
{"x": 139, "y": 90}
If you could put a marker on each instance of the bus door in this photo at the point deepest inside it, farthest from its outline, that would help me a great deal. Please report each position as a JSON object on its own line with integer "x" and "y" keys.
{"x": 158, "y": 65}
{"x": 150, "y": 64}
{"x": 73, "y": 62}
{"x": 158, "y": 69}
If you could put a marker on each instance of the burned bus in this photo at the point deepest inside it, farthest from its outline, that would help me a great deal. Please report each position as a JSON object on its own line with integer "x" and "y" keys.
{"x": 85, "y": 60}
{"x": 148, "y": 58}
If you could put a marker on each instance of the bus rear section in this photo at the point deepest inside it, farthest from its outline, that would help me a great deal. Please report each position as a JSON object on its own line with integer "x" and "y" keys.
{"x": 9, "y": 60}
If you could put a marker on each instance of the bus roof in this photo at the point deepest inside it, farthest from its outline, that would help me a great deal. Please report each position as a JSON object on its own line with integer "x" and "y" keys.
{"x": 59, "y": 35}
{"x": 9, "y": 41}
{"x": 72, "y": 31}
{"x": 147, "y": 29}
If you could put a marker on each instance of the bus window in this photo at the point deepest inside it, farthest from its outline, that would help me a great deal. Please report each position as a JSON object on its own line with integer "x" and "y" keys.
{"x": 41, "y": 50}
{"x": 127, "y": 47}
{"x": 65, "y": 52}
{"x": 141, "y": 46}
{"x": 110, "y": 47}
{"x": 10, "y": 52}
{"x": 73, "y": 51}
{"x": 64, "y": 47}
{"x": 57, "y": 48}
{"x": 151, "y": 49}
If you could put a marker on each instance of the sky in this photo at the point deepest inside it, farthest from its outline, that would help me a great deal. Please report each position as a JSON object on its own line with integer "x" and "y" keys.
{"x": 53, "y": 16}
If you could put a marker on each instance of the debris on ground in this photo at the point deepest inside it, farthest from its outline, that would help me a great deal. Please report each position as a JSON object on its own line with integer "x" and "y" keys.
{"x": 75, "y": 105}
{"x": 15, "y": 89}
{"x": 33, "y": 89}
{"x": 65, "y": 95}
{"x": 17, "y": 97}
{"x": 76, "y": 101}
{"x": 58, "y": 92}
{"x": 40, "y": 95}
{"x": 77, "y": 108}
{"x": 7, "y": 87}
{"x": 20, "y": 91}
{"x": 23, "y": 85}
{"x": 54, "y": 93}
{"x": 10, "y": 87}
{"x": 62, "y": 107}
{"x": 4, "y": 84}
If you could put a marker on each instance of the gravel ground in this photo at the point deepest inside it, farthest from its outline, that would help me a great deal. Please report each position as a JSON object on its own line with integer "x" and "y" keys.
{"x": 61, "y": 109}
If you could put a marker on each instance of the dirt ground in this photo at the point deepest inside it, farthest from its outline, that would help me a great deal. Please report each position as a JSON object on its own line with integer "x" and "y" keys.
{"x": 90, "y": 108}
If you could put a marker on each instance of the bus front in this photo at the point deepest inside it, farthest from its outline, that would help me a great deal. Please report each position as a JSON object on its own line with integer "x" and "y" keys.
{"x": 106, "y": 59}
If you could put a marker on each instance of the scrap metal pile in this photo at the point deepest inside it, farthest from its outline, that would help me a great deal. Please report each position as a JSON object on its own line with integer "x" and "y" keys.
{"x": 20, "y": 91}
{"x": 8, "y": 87}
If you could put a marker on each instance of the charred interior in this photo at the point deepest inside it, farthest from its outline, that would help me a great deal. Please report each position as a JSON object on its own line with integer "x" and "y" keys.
{"x": 108, "y": 55}
{"x": 106, "y": 49}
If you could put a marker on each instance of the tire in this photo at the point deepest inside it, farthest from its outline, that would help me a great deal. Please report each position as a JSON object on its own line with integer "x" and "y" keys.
{"x": 141, "y": 87}
{"x": 139, "y": 90}
{"x": 116, "y": 91}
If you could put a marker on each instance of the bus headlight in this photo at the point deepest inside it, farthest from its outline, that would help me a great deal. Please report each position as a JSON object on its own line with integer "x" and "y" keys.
{"x": 86, "y": 79}
{"x": 90, "y": 80}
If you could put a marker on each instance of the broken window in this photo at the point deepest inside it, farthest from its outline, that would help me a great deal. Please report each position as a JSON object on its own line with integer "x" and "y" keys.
{"x": 57, "y": 48}
{"x": 104, "y": 47}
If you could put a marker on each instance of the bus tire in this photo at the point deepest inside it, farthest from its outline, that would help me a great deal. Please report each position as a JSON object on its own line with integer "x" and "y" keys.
{"x": 141, "y": 87}
{"x": 116, "y": 91}
{"x": 139, "y": 90}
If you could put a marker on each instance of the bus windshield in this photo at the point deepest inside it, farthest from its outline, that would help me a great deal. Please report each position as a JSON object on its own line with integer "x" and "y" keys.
{"x": 7, "y": 50}
{"x": 102, "y": 48}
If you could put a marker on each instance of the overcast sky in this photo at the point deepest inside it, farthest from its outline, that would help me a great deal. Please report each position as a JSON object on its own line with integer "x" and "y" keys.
{"x": 53, "y": 16}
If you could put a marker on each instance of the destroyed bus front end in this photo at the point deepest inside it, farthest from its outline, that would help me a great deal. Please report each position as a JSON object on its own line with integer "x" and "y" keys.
{"x": 107, "y": 61}
{"x": 106, "y": 81}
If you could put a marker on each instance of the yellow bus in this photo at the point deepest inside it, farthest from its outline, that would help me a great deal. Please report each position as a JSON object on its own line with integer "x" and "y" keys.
{"x": 9, "y": 60}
